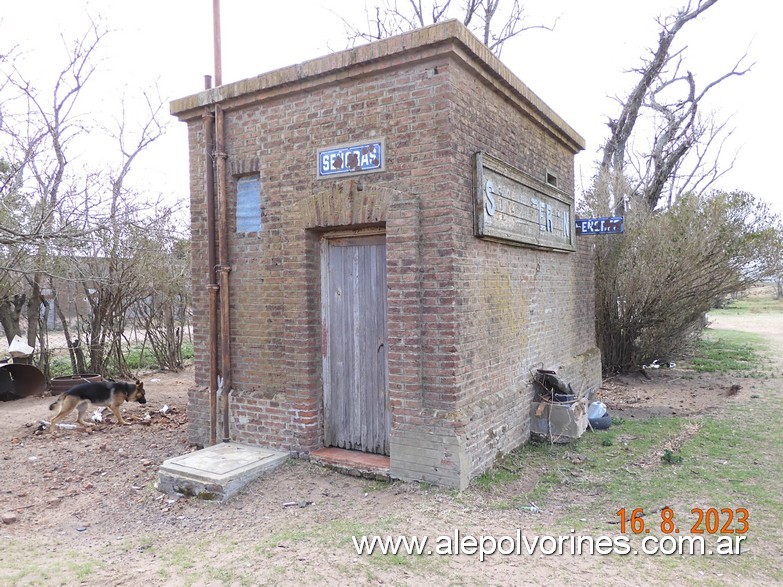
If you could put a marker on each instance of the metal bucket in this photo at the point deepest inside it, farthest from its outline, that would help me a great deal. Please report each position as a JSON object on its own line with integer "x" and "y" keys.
{"x": 61, "y": 384}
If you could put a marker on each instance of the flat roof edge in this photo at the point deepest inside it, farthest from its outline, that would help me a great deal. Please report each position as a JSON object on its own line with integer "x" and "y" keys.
{"x": 438, "y": 34}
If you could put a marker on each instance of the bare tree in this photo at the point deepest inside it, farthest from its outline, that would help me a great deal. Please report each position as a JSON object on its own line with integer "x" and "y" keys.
{"x": 164, "y": 313}
{"x": 492, "y": 21}
{"x": 84, "y": 233}
{"x": 677, "y": 160}
{"x": 37, "y": 136}
{"x": 655, "y": 283}
{"x": 112, "y": 270}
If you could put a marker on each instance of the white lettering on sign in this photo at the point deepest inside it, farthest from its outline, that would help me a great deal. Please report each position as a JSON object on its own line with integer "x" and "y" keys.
{"x": 611, "y": 225}
{"x": 350, "y": 159}
{"x": 545, "y": 215}
{"x": 490, "y": 191}
{"x": 347, "y": 160}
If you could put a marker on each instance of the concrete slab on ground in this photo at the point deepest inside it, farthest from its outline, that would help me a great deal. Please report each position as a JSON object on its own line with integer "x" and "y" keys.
{"x": 217, "y": 472}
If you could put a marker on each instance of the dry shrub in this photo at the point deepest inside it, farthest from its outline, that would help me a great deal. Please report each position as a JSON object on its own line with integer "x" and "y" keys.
{"x": 655, "y": 283}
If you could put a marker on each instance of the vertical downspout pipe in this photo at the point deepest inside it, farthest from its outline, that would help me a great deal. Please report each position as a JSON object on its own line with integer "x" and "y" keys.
{"x": 216, "y": 43}
{"x": 212, "y": 285}
{"x": 224, "y": 268}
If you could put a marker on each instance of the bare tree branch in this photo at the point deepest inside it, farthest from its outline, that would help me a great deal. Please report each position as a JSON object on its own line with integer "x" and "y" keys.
{"x": 671, "y": 96}
{"x": 486, "y": 18}
{"x": 622, "y": 127}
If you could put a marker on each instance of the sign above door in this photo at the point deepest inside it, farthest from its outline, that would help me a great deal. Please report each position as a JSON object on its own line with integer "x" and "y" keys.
{"x": 351, "y": 159}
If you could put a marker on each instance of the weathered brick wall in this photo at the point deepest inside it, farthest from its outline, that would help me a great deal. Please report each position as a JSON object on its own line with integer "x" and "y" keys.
{"x": 466, "y": 318}
{"x": 275, "y": 274}
{"x": 520, "y": 308}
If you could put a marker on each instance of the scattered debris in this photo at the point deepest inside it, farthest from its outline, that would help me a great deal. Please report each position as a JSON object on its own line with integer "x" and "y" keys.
{"x": 598, "y": 417}
{"x": 656, "y": 364}
{"x": 9, "y": 518}
{"x": 558, "y": 412}
{"x": 44, "y": 425}
{"x": 553, "y": 388}
{"x": 98, "y": 415}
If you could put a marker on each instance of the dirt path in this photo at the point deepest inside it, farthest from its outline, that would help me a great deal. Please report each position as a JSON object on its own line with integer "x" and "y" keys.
{"x": 768, "y": 325}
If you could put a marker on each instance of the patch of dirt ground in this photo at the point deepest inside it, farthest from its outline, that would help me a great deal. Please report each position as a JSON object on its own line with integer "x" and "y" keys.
{"x": 670, "y": 392}
{"x": 80, "y": 508}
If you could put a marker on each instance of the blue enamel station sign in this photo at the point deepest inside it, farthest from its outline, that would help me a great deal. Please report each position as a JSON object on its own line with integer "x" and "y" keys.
{"x": 610, "y": 225}
{"x": 350, "y": 159}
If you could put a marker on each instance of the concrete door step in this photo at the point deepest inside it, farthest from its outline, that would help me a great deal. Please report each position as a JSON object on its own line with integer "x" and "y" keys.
{"x": 353, "y": 462}
{"x": 217, "y": 472}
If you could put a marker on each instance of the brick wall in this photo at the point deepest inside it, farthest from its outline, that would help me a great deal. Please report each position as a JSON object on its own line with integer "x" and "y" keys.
{"x": 467, "y": 318}
{"x": 519, "y": 308}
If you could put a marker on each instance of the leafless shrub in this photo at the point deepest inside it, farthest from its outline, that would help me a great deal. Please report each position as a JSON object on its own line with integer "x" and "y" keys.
{"x": 655, "y": 283}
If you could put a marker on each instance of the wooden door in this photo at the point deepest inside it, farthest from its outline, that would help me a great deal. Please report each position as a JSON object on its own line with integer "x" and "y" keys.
{"x": 356, "y": 396}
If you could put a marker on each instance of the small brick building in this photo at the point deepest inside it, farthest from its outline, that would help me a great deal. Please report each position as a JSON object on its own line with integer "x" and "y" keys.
{"x": 401, "y": 255}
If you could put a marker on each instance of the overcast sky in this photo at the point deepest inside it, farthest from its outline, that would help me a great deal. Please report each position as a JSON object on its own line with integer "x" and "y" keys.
{"x": 576, "y": 69}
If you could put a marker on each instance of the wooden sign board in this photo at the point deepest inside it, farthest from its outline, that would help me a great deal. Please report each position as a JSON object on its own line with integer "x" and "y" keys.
{"x": 514, "y": 207}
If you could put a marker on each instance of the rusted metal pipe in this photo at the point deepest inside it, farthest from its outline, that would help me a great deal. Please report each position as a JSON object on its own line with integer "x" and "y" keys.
{"x": 224, "y": 268}
{"x": 212, "y": 285}
{"x": 216, "y": 33}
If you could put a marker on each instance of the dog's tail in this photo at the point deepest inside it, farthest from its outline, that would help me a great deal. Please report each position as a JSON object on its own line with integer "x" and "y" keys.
{"x": 57, "y": 402}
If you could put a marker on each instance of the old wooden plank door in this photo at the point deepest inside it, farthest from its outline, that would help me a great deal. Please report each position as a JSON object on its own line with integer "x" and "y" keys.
{"x": 356, "y": 396}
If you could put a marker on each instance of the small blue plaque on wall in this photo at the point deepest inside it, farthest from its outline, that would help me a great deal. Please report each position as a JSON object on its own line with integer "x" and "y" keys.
{"x": 351, "y": 159}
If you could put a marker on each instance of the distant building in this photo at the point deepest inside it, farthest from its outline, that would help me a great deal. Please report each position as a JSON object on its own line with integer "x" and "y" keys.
{"x": 402, "y": 254}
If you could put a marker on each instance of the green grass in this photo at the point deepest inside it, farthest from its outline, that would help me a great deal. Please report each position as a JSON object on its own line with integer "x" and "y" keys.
{"x": 719, "y": 458}
{"x": 334, "y": 532}
{"x": 752, "y": 304}
{"x": 136, "y": 360}
{"x": 494, "y": 477}
{"x": 728, "y": 350}
{"x": 60, "y": 366}
{"x": 26, "y": 562}
{"x": 729, "y": 459}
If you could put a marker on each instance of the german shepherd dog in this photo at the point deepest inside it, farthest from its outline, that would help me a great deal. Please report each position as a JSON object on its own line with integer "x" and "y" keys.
{"x": 101, "y": 393}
